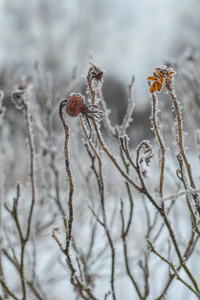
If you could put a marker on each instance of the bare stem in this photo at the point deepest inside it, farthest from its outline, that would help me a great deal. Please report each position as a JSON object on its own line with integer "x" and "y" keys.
{"x": 100, "y": 181}
{"x": 174, "y": 270}
{"x": 160, "y": 142}
{"x": 179, "y": 125}
{"x": 127, "y": 118}
{"x": 69, "y": 176}
{"x": 32, "y": 179}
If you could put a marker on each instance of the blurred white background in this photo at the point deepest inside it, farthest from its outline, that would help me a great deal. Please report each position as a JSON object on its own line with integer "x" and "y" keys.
{"x": 124, "y": 37}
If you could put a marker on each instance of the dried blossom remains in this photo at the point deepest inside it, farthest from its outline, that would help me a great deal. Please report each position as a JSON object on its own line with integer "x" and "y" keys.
{"x": 95, "y": 73}
{"x": 160, "y": 75}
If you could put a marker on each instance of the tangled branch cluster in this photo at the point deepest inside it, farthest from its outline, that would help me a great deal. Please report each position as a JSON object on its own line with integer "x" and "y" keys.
{"x": 118, "y": 241}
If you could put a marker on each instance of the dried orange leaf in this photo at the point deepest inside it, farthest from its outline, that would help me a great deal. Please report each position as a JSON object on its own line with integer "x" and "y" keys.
{"x": 153, "y": 87}
{"x": 159, "y": 87}
{"x": 152, "y": 78}
{"x": 161, "y": 80}
{"x": 159, "y": 73}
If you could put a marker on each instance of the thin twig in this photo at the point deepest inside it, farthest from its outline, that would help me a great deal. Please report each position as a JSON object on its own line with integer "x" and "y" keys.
{"x": 127, "y": 118}
{"x": 69, "y": 175}
{"x": 174, "y": 270}
{"x": 179, "y": 127}
{"x": 160, "y": 142}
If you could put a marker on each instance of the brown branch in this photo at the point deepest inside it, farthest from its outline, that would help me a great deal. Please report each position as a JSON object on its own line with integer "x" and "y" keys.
{"x": 127, "y": 118}
{"x": 126, "y": 254}
{"x": 69, "y": 175}
{"x": 68, "y": 225}
{"x": 99, "y": 178}
{"x": 8, "y": 290}
{"x": 155, "y": 125}
{"x": 179, "y": 127}
{"x": 32, "y": 171}
{"x": 197, "y": 293}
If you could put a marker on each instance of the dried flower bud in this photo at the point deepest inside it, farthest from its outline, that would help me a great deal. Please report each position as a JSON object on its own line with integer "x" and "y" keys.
{"x": 96, "y": 73}
{"x": 22, "y": 88}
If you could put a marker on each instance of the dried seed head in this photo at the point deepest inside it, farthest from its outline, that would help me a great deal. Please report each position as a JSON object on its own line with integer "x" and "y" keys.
{"x": 75, "y": 104}
{"x": 96, "y": 74}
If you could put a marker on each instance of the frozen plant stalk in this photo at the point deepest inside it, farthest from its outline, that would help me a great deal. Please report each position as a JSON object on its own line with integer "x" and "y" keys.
{"x": 165, "y": 75}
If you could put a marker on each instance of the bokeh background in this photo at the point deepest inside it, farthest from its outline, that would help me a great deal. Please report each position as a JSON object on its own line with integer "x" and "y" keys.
{"x": 123, "y": 37}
